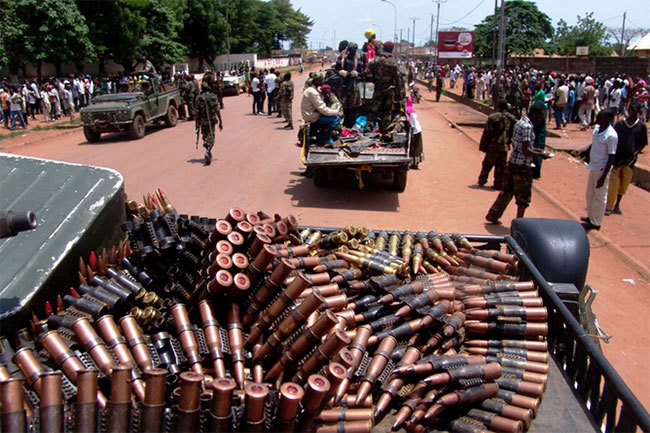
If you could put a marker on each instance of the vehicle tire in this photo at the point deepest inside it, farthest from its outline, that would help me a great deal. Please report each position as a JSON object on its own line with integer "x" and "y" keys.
{"x": 136, "y": 129}
{"x": 91, "y": 135}
{"x": 399, "y": 179}
{"x": 171, "y": 118}
{"x": 559, "y": 249}
{"x": 320, "y": 177}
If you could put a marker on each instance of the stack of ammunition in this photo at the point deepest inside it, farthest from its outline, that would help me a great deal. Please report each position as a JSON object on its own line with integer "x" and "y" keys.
{"x": 249, "y": 323}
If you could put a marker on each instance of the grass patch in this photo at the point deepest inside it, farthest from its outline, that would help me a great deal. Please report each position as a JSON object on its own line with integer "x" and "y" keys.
{"x": 68, "y": 124}
{"x": 12, "y": 134}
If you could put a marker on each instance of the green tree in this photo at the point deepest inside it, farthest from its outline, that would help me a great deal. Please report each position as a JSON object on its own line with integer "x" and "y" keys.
{"x": 204, "y": 30}
{"x": 587, "y": 32}
{"x": 37, "y": 31}
{"x": 161, "y": 42}
{"x": 297, "y": 25}
{"x": 526, "y": 28}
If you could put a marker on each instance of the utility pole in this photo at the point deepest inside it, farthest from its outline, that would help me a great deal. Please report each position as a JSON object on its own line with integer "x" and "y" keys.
{"x": 227, "y": 37}
{"x": 414, "y": 19}
{"x": 400, "y": 41}
{"x": 623, "y": 35}
{"x": 502, "y": 34}
{"x": 438, "y": 22}
{"x": 494, "y": 33}
{"x": 431, "y": 40}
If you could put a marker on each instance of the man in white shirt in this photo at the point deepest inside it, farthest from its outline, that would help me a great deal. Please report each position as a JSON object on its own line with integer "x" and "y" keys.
{"x": 601, "y": 159}
{"x": 615, "y": 97}
{"x": 561, "y": 99}
{"x": 270, "y": 89}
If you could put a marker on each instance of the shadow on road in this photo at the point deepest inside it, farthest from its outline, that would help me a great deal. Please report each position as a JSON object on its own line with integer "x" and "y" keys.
{"x": 118, "y": 137}
{"x": 197, "y": 160}
{"x": 497, "y": 229}
{"x": 341, "y": 192}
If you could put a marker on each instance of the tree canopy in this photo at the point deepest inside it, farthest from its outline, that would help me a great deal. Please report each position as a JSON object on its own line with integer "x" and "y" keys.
{"x": 526, "y": 28}
{"x": 81, "y": 31}
{"x": 587, "y": 32}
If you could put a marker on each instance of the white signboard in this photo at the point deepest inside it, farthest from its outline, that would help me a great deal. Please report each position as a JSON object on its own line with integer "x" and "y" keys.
{"x": 582, "y": 51}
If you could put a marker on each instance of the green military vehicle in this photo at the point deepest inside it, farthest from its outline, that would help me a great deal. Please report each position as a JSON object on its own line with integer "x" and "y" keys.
{"x": 141, "y": 99}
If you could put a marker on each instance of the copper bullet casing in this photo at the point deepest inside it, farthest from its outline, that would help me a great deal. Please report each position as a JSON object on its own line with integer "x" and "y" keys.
{"x": 315, "y": 390}
{"x": 221, "y": 230}
{"x": 93, "y": 345}
{"x": 64, "y": 357}
{"x": 332, "y": 344}
{"x": 235, "y": 215}
{"x": 236, "y": 340}
{"x": 220, "y": 284}
{"x": 287, "y": 296}
{"x": 120, "y": 401}
{"x": 310, "y": 337}
{"x": 293, "y": 321}
{"x": 256, "y": 394}
{"x": 240, "y": 286}
{"x": 51, "y": 389}
{"x": 30, "y": 366}
{"x": 221, "y": 262}
{"x": 85, "y": 404}
{"x": 185, "y": 334}
{"x": 335, "y": 373}
{"x": 336, "y": 415}
{"x": 213, "y": 339}
{"x": 136, "y": 342}
{"x": 257, "y": 245}
{"x": 222, "y": 391}
{"x": 155, "y": 380}
{"x": 12, "y": 414}
{"x": 291, "y": 395}
{"x": 346, "y": 426}
{"x": 240, "y": 261}
{"x": 336, "y": 302}
{"x": 190, "y": 397}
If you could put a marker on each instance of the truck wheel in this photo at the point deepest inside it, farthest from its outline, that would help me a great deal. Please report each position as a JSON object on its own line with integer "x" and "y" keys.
{"x": 320, "y": 177}
{"x": 137, "y": 127}
{"x": 399, "y": 180}
{"x": 171, "y": 119}
{"x": 558, "y": 248}
{"x": 91, "y": 135}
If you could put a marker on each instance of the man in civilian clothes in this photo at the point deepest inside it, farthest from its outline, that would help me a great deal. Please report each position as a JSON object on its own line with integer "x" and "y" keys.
{"x": 518, "y": 178}
{"x": 601, "y": 159}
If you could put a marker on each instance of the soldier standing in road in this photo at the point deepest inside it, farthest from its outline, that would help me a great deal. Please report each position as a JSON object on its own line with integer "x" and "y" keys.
{"x": 286, "y": 98}
{"x": 385, "y": 75}
{"x": 207, "y": 115}
{"x": 190, "y": 95}
{"x": 219, "y": 88}
{"x": 439, "y": 82}
{"x": 495, "y": 142}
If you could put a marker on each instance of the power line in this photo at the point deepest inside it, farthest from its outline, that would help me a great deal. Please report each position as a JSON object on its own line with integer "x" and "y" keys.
{"x": 468, "y": 13}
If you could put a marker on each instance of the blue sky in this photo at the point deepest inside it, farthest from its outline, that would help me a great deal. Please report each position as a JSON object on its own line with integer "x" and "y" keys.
{"x": 347, "y": 19}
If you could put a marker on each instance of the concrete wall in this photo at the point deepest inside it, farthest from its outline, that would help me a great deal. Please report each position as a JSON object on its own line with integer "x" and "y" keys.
{"x": 635, "y": 66}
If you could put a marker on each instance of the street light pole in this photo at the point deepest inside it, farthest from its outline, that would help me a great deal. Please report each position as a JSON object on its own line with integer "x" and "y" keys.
{"x": 381, "y": 31}
{"x": 395, "y": 22}
{"x": 437, "y": 23}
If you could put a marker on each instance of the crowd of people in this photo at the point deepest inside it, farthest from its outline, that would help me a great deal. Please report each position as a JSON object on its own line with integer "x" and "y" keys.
{"x": 616, "y": 107}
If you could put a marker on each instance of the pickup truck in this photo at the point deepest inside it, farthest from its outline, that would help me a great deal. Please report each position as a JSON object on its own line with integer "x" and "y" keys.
{"x": 141, "y": 99}
{"x": 233, "y": 84}
{"x": 361, "y": 153}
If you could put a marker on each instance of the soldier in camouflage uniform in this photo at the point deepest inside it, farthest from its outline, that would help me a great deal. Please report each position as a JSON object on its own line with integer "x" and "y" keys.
{"x": 207, "y": 115}
{"x": 495, "y": 142}
{"x": 181, "y": 84}
{"x": 387, "y": 80}
{"x": 219, "y": 86}
{"x": 191, "y": 91}
{"x": 518, "y": 176}
{"x": 286, "y": 98}
{"x": 350, "y": 66}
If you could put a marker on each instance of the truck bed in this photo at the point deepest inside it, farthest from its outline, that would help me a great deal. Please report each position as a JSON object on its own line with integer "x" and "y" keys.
{"x": 387, "y": 156}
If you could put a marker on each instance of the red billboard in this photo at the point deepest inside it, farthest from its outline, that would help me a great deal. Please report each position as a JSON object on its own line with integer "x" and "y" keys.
{"x": 455, "y": 45}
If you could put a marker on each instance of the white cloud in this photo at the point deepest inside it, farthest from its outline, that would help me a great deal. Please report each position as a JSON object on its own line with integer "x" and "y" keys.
{"x": 364, "y": 20}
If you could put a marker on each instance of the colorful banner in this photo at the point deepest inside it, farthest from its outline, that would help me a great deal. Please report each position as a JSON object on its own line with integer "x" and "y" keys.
{"x": 455, "y": 45}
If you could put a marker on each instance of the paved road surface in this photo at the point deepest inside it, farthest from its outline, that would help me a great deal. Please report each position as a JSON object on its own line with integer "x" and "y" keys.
{"x": 256, "y": 166}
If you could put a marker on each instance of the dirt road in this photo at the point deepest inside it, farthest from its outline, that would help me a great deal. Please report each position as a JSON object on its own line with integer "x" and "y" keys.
{"x": 256, "y": 167}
